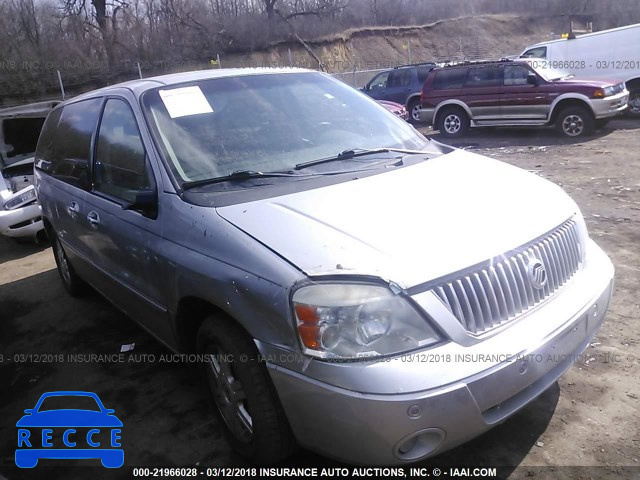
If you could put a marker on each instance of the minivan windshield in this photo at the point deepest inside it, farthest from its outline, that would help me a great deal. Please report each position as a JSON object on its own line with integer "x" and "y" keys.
{"x": 267, "y": 123}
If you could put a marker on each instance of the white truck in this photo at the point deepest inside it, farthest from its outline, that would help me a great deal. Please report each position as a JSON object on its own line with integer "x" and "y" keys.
{"x": 608, "y": 54}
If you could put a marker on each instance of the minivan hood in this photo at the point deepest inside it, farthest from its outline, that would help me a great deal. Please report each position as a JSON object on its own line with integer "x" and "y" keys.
{"x": 409, "y": 225}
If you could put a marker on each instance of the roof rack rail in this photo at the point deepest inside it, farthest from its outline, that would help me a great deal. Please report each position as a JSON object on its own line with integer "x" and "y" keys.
{"x": 476, "y": 62}
{"x": 415, "y": 65}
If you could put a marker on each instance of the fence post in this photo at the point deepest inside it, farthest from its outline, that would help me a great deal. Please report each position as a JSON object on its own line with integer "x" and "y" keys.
{"x": 61, "y": 84}
{"x": 139, "y": 70}
{"x": 290, "y": 58}
{"x": 218, "y": 59}
{"x": 409, "y": 51}
{"x": 353, "y": 84}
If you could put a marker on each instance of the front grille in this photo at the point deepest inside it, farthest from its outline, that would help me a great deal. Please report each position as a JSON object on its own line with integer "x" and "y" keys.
{"x": 502, "y": 290}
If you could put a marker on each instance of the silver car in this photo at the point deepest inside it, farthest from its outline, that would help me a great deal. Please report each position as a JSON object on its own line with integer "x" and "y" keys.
{"x": 349, "y": 285}
{"x": 20, "y": 126}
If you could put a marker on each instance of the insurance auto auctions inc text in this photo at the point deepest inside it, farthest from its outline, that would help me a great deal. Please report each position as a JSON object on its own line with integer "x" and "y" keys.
{"x": 362, "y": 472}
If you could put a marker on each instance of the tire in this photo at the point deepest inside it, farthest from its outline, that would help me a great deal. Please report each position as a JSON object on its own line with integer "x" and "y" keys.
{"x": 453, "y": 122}
{"x": 246, "y": 401}
{"x": 72, "y": 283}
{"x": 414, "y": 110}
{"x": 633, "y": 110}
{"x": 574, "y": 122}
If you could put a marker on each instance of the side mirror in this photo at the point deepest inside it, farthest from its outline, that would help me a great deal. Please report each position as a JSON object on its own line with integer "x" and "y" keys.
{"x": 532, "y": 79}
{"x": 29, "y": 411}
{"x": 109, "y": 411}
{"x": 144, "y": 201}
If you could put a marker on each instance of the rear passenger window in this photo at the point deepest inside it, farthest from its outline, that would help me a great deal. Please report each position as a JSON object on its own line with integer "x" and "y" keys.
{"x": 450, "y": 78}
{"x": 64, "y": 152}
{"x": 400, "y": 78}
{"x": 120, "y": 166}
{"x": 485, "y": 76}
{"x": 515, "y": 75}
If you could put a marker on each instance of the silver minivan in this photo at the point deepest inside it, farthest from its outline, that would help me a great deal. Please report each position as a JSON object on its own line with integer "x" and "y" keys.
{"x": 353, "y": 287}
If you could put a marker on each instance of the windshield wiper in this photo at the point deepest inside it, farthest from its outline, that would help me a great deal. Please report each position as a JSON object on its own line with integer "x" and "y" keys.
{"x": 237, "y": 175}
{"x": 356, "y": 152}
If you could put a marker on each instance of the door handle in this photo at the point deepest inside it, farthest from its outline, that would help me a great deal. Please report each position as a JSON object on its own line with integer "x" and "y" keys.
{"x": 73, "y": 208}
{"x": 93, "y": 217}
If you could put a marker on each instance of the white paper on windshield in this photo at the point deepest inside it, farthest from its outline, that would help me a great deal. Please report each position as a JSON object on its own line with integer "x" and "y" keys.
{"x": 181, "y": 102}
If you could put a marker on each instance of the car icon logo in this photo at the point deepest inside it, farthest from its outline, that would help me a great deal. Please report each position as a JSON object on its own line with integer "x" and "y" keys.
{"x": 537, "y": 273}
{"x": 52, "y": 430}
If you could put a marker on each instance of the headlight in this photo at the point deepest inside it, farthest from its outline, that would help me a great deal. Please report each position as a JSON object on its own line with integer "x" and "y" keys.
{"x": 346, "y": 321}
{"x": 603, "y": 92}
{"x": 26, "y": 197}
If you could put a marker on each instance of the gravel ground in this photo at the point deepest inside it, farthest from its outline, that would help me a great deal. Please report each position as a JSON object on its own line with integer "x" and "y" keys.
{"x": 590, "y": 418}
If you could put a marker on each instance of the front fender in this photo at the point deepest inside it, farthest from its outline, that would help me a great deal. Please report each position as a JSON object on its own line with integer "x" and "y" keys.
{"x": 569, "y": 96}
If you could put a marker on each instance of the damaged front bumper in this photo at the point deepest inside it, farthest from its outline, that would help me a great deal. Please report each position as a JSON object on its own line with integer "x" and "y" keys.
{"x": 21, "y": 222}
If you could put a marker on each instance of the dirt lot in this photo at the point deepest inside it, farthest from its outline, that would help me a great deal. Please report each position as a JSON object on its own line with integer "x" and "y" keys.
{"x": 590, "y": 418}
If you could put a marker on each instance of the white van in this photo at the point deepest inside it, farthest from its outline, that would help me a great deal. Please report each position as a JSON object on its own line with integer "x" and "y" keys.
{"x": 612, "y": 54}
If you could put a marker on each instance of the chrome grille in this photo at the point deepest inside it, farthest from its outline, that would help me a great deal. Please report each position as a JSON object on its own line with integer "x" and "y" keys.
{"x": 502, "y": 290}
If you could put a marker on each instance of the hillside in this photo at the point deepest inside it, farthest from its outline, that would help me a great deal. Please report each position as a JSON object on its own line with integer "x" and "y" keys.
{"x": 371, "y": 48}
{"x": 462, "y": 38}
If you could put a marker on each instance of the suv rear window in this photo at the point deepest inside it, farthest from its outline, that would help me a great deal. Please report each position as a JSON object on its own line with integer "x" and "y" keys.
{"x": 450, "y": 78}
{"x": 485, "y": 76}
{"x": 400, "y": 78}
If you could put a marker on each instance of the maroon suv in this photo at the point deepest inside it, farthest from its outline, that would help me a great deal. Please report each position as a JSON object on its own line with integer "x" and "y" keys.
{"x": 516, "y": 93}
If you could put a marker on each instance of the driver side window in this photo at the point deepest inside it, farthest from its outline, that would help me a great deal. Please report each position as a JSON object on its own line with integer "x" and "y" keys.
{"x": 379, "y": 82}
{"x": 120, "y": 164}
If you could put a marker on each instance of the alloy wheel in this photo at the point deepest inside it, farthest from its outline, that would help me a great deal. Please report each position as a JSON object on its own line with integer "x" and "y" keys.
{"x": 229, "y": 395}
{"x": 415, "y": 113}
{"x": 452, "y": 124}
{"x": 572, "y": 125}
{"x": 634, "y": 104}
{"x": 62, "y": 262}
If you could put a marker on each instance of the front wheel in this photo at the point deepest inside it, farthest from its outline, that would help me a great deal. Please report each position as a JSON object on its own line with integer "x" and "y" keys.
{"x": 633, "y": 108}
{"x": 244, "y": 396}
{"x": 575, "y": 122}
{"x": 453, "y": 122}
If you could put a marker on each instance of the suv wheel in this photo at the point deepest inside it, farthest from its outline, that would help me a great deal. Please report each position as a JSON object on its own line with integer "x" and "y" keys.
{"x": 575, "y": 122}
{"x": 242, "y": 391}
{"x": 72, "y": 283}
{"x": 634, "y": 104}
{"x": 453, "y": 122}
{"x": 414, "y": 110}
